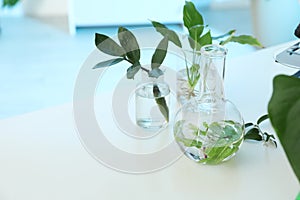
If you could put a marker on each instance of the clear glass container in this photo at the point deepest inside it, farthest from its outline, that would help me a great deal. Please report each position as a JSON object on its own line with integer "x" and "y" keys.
{"x": 187, "y": 84}
{"x": 209, "y": 134}
{"x": 209, "y": 129}
{"x": 152, "y": 100}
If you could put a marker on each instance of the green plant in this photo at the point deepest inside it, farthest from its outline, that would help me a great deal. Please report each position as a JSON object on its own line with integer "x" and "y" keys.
{"x": 9, "y": 3}
{"x": 129, "y": 51}
{"x": 255, "y": 132}
{"x": 199, "y": 35}
{"x": 284, "y": 113}
{"x": 222, "y": 139}
{"x": 284, "y": 119}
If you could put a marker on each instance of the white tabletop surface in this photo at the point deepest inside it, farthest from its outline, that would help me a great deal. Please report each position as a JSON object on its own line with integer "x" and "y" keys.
{"x": 41, "y": 156}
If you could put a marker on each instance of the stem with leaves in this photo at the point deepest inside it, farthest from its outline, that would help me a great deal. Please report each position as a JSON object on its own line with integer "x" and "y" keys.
{"x": 200, "y": 35}
{"x": 254, "y": 132}
{"x": 129, "y": 51}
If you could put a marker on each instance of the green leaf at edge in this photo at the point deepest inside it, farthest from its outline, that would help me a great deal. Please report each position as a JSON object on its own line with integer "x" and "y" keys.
{"x": 248, "y": 124}
{"x": 246, "y": 39}
{"x": 108, "y": 63}
{"x": 130, "y": 44}
{"x": 9, "y": 3}
{"x": 161, "y": 102}
{"x": 131, "y": 71}
{"x": 228, "y": 34}
{"x": 164, "y": 31}
{"x": 262, "y": 118}
{"x": 155, "y": 73}
{"x": 191, "y": 16}
{"x": 160, "y": 53}
{"x": 298, "y": 197}
{"x": 205, "y": 39}
{"x": 269, "y": 138}
{"x": 196, "y": 31}
{"x": 189, "y": 142}
{"x": 108, "y": 45}
{"x": 253, "y": 134}
{"x": 284, "y": 113}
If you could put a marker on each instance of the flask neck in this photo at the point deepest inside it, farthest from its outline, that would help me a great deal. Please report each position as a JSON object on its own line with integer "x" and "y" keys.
{"x": 212, "y": 72}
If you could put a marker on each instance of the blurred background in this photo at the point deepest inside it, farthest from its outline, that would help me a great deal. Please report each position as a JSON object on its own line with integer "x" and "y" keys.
{"x": 43, "y": 43}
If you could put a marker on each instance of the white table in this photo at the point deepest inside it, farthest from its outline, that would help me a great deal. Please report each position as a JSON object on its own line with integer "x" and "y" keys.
{"x": 41, "y": 156}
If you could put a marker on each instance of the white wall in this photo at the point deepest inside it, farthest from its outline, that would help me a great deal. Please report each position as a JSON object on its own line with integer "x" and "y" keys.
{"x": 42, "y": 8}
{"x": 229, "y": 4}
{"x": 274, "y": 22}
{"x": 85, "y": 13}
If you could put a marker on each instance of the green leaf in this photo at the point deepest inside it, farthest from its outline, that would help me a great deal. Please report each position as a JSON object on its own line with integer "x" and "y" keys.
{"x": 246, "y": 39}
{"x": 248, "y": 124}
{"x": 216, "y": 128}
{"x": 298, "y": 197}
{"x": 161, "y": 102}
{"x": 262, "y": 118}
{"x": 194, "y": 128}
{"x": 130, "y": 44}
{"x": 194, "y": 44}
{"x": 108, "y": 45}
{"x": 228, "y": 34}
{"x": 196, "y": 31}
{"x": 194, "y": 38}
{"x": 205, "y": 124}
{"x": 227, "y": 40}
{"x": 9, "y": 3}
{"x": 108, "y": 63}
{"x": 197, "y": 43}
{"x": 131, "y": 71}
{"x": 253, "y": 134}
{"x": 189, "y": 142}
{"x": 193, "y": 74}
{"x": 178, "y": 127}
{"x": 216, "y": 155}
{"x": 164, "y": 31}
{"x": 270, "y": 139}
{"x": 194, "y": 69}
{"x": 205, "y": 39}
{"x": 160, "y": 53}
{"x": 155, "y": 73}
{"x": 284, "y": 113}
{"x": 191, "y": 16}
{"x": 229, "y": 131}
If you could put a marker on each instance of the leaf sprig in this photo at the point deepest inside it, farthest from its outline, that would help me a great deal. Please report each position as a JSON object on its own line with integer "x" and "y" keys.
{"x": 254, "y": 132}
{"x": 129, "y": 50}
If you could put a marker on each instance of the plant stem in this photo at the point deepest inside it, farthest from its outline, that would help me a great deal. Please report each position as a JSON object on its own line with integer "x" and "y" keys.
{"x": 146, "y": 70}
{"x": 161, "y": 102}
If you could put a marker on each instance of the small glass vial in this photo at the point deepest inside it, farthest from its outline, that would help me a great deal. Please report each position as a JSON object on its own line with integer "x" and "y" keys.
{"x": 152, "y": 100}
